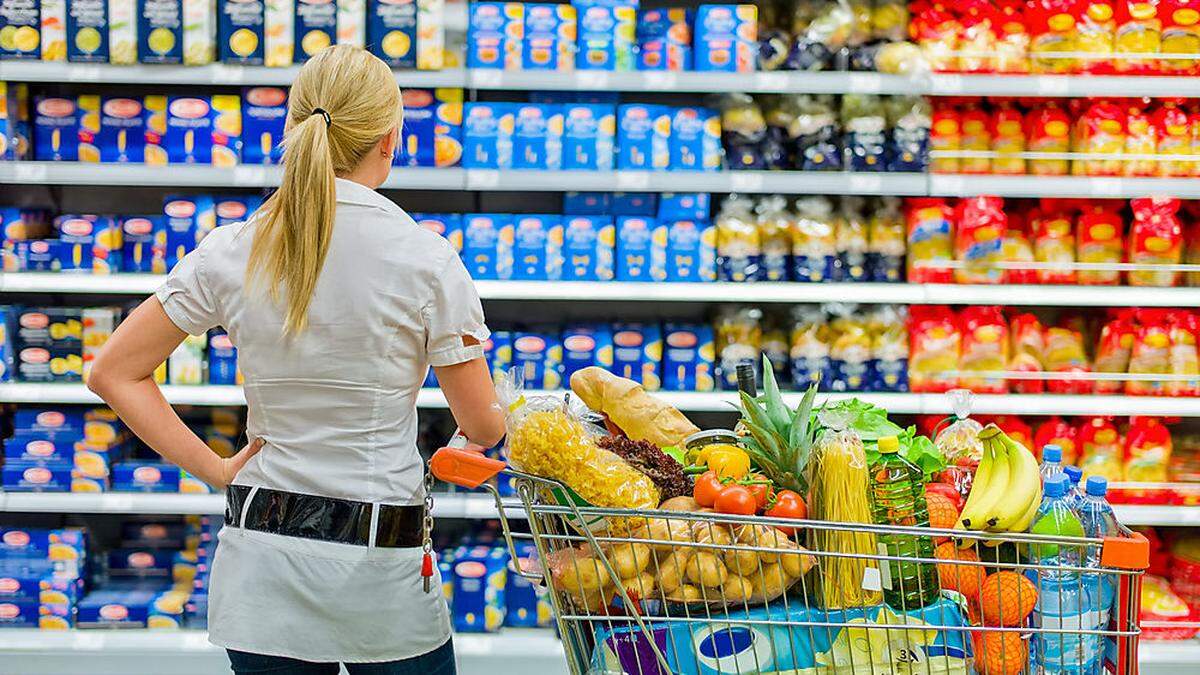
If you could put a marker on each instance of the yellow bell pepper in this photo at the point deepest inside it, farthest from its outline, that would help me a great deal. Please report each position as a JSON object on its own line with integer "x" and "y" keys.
{"x": 729, "y": 462}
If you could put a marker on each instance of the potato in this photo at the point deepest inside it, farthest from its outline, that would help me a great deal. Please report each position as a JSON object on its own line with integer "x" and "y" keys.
{"x": 740, "y": 561}
{"x": 583, "y": 574}
{"x": 641, "y": 586}
{"x": 686, "y": 504}
{"x": 797, "y": 564}
{"x": 763, "y": 536}
{"x": 685, "y": 593}
{"x": 660, "y": 533}
{"x": 705, "y": 569}
{"x": 711, "y": 533}
{"x": 736, "y": 589}
{"x": 628, "y": 559}
{"x": 670, "y": 569}
{"x": 770, "y": 583}
{"x": 592, "y": 601}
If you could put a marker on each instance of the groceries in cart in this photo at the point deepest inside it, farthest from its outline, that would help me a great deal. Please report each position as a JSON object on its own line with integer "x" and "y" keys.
{"x": 815, "y": 536}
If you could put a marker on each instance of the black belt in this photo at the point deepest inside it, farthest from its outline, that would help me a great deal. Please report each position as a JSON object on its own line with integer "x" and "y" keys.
{"x": 344, "y": 521}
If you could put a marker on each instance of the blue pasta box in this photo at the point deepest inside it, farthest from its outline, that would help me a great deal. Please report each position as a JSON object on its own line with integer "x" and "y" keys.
{"x": 87, "y": 31}
{"x": 187, "y": 219}
{"x": 152, "y": 534}
{"x": 137, "y": 476}
{"x": 637, "y": 353}
{"x": 88, "y": 243}
{"x": 39, "y": 364}
{"x": 684, "y": 206}
{"x": 144, "y": 244}
{"x": 121, "y": 136}
{"x": 537, "y": 136}
{"x": 549, "y": 42}
{"x": 66, "y": 545}
{"x": 21, "y": 22}
{"x": 665, "y": 39}
{"x": 160, "y": 31}
{"x": 240, "y": 37}
{"x": 315, "y": 26}
{"x": 22, "y": 583}
{"x": 433, "y": 128}
{"x": 167, "y": 609}
{"x": 93, "y": 465}
{"x": 587, "y": 203}
{"x": 123, "y": 605}
{"x": 488, "y": 245}
{"x": 24, "y": 614}
{"x": 691, "y": 251}
{"x": 689, "y": 356}
{"x": 56, "y": 127}
{"x": 480, "y": 577}
{"x": 641, "y": 249}
{"x": 6, "y": 346}
{"x": 57, "y": 328}
{"x": 14, "y": 120}
{"x": 643, "y": 136}
{"x": 498, "y": 352}
{"x": 37, "y": 448}
{"x": 589, "y": 135}
{"x": 583, "y": 346}
{"x": 634, "y": 204}
{"x": 539, "y": 357}
{"x": 448, "y": 225}
{"x": 392, "y": 31}
{"x": 67, "y": 423}
{"x": 222, "y": 359}
{"x": 607, "y": 35}
{"x": 526, "y": 605}
{"x": 495, "y": 35}
{"x": 101, "y": 425}
{"x": 197, "y": 130}
{"x": 488, "y": 135}
{"x": 726, "y": 38}
{"x": 264, "y": 114}
{"x": 588, "y": 244}
{"x": 236, "y": 209}
{"x": 36, "y": 477}
{"x": 695, "y": 143}
{"x": 537, "y": 247}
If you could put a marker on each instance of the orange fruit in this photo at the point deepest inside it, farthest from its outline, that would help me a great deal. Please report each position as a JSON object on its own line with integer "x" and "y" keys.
{"x": 1006, "y": 599}
{"x": 956, "y": 576}
{"x": 999, "y": 653}
{"x": 942, "y": 512}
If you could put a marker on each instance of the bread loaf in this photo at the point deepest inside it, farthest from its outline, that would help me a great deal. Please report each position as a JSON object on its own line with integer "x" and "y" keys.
{"x": 627, "y": 405}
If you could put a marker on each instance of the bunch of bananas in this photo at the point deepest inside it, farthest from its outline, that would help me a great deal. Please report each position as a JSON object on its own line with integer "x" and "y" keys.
{"x": 1007, "y": 489}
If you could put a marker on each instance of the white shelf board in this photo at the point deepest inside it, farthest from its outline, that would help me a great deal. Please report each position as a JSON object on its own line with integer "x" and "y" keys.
{"x": 217, "y": 74}
{"x": 722, "y": 401}
{"x": 1157, "y": 657}
{"x": 184, "y": 175}
{"x": 1167, "y": 516}
{"x": 948, "y": 84}
{"x": 617, "y": 291}
{"x": 956, "y": 185}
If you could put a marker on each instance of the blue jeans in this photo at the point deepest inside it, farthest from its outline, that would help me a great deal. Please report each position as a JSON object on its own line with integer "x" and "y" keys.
{"x": 437, "y": 662}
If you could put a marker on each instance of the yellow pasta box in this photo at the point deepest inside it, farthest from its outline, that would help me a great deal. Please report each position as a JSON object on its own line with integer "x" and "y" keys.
{"x": 199, "y": 32}
{"x": 122, "y": 32}
{"x": 20, "y": 24}
{"x": 194, "y": 130}
{"x": 279, "y": 32}
{"x": 352, "y": 22}
{"x": 54, "y": 30}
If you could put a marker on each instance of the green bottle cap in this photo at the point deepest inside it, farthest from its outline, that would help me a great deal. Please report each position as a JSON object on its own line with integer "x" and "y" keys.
{"x": 889, "y": 444}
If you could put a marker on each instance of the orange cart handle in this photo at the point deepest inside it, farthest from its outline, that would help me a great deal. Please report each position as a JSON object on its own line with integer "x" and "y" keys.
{"x": 464, "y": 468}
{"x": 1126, "y": 553}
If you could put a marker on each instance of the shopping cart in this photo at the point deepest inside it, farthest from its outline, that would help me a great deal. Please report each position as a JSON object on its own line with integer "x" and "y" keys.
{"x": 612, "y": 576}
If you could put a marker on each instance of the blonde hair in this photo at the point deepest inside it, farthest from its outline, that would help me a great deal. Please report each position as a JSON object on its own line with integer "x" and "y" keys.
{"x": 362, "y": 100}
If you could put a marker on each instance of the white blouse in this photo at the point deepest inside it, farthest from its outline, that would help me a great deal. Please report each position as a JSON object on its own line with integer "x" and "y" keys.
{"x": 336, "y": 406}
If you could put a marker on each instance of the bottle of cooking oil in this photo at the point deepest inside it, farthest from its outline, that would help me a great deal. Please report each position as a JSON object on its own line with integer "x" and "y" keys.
{"x": 898, "y": 498}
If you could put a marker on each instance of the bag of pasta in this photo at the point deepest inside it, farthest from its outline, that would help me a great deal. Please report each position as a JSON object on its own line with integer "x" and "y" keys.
{"x": 548, "y": 437}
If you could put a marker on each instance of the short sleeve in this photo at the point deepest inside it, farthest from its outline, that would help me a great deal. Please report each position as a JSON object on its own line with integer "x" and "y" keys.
{"x": 454, "y": 312}
{"x": 187, "y": 296}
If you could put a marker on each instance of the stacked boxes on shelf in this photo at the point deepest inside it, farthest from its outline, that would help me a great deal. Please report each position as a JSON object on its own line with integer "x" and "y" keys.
{"x": 42, "y": 576}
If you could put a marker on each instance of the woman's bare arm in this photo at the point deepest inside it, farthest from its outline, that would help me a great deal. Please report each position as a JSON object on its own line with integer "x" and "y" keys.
{"x": 472, "y": 397}
{"x": 123, "y": 375}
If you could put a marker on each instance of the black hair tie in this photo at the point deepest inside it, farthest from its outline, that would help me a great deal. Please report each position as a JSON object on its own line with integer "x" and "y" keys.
{"x": 322, "y": 113}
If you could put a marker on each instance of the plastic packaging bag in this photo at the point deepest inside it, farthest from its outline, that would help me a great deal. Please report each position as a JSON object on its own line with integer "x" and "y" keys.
{"x": 959, "y": 443}
{"x": 984, "y": 348}
{"x": 934, "y": 344}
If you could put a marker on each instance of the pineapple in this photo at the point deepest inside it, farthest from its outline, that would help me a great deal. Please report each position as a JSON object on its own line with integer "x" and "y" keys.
{"x": 779, "y": 440}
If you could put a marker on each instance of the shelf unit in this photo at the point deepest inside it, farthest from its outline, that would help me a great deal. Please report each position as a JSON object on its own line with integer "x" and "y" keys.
{"x": 761, "y": 293}
{"x": 719, "y": 401}
{"x": 472, "y": 506}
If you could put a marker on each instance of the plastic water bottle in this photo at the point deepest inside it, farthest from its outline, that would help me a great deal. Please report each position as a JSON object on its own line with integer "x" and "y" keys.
{"x": 1051, "y": 461}
{"x": 1075, "y": 492}
{"x": 898, "y": 498}
{"x": 1063, "y": 601}
{"x": 1099, "y": 521}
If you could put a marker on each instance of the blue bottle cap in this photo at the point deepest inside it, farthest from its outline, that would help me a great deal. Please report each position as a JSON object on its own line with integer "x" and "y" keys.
{"x": 1056, "y": 485}
{"x": 1097, "y": 486}
{"x": 1074, "y": 473}
{"x": 1051, "y": 453}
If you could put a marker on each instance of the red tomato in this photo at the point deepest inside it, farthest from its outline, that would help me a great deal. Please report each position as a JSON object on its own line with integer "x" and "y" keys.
{"x": 762, "y": 490}
{"x": 788, "y": 504}
{"x": 708, "y": 486}
{"x": 736, "y": 500}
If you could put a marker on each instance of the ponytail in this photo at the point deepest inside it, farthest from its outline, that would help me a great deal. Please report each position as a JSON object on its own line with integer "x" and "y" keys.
{"x": 331, "y": 126}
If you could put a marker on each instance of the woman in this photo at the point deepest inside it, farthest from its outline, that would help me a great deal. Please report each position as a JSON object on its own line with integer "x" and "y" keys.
{"x": 345, "y": 306}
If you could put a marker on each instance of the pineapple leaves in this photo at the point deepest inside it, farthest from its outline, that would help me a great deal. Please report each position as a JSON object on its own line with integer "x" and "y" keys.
{"x": 776, "y": 410}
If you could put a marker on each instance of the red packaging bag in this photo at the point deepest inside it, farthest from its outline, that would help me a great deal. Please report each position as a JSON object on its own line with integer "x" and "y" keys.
{"x": 977, "y": 137}
{"x": 930, "y": 240}
{"x": 1192, "y": 252}
{"x": 1054, "y": 242}
{"x": 1184, "y": 359}
{"x": 1139, "y": 32}
{"x": 1008, "y": 138}
{"x": 977, "y": 38}
{"x": 1100, "y": 133}
{"x": 1151, "y": 353}
{"x": 945, "y": 134}
{"x": 1174, "y": 138}
{"x": 978, "y": 235}
{"x": 1048, "y": 129}
{"x": 1141, "y": 139}
{"x": 1096, "y": 26}
{"x": 1180, "y": 35}
{"x": 1099, "y": 239}
{"x": 934, "y": 345}
{"x": 1155, "y": 238}
{"x": 985, "y": 348}
{"x": 1052, "y": 31}
{"x": 1194, "y": 127}
{"x": 1100, "y": 452}
{"x": 1065, "y": 354}
{"x": 1147, "y": 450}
{"x": 1028, "y": 345}
{"x": 1012, "y": 38}
{"x": 1113, "y": 352}
{"x": 936, "y": 31}
{"x": 1056, "y": 431}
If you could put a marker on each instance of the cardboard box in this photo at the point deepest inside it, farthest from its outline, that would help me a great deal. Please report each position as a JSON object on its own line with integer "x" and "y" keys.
{"x": 537, "y": 247}
{"x": 537, "y": 136}
{"x": 643, "y": 137}
{"x": 35, "y": 477}
{"x": 53, "y": 22}
{"x": 607, "y": 35}
{"x": 87, "y": 31}
{"x": 589, "y": 136}
{"x": 144, "y": 244}
{"x": 550, "y": 33}
{"x": 137, "y": 476}
{"x": 241, "y": 37}
{"x": 279, "y": 39}
{"x": 56, "y": 129}
{"x": 665, "y": 39}
{"x": 488, "y": 245}
{"x": 695, "y": 143}
{"x": 392, "y": 31}
{"x": 637, "y": 353}
{"x": 691, "y": 251}
{"x": 641, "y": 245}
{"x": 160, "y": 31}
{"x": 186, "y": 219}
{"x": 186, "y": 364}
{"x": 539, "y": 357}
{"x": 21, "y": 19}
{"x": 448, "y": 225}
{"x": 689, "y": 358}
{"x": 495, "y": 35}
{"x": 726, "y": 38}
{"x": 315, "y": 27}
{"x": 584, "y": 346}
{"x": 264, "y": 114}
{"x": 122, "y": 32}
{"x": 432, "y": 135}
{"x": 15, "y": 136}
{"x": 197, "y": 131}
{"x": 588, "y": 248}
{"x": 480, "y": 577}
{"x": 488, "y": 135}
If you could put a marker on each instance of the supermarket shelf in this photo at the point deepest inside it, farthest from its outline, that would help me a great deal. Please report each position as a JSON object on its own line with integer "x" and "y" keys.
{"x": 946, "y": 84}
{"x": 617, "y": 291}
{"x": 700, "y": 82}
{"x": 217, "y": 74}
{"x": 1166, "y": 516}
{"x": 954, "y": 185}
{"x": 933, "y": 404}
{"x": 181, "y": 175}
{"x": 188, "y": 652}
{"x": 1161, "y": 658}
{"x": 445, "y": 505}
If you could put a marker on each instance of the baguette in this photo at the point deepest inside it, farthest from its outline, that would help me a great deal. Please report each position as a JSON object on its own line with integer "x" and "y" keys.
{"x": 627, "y": 405}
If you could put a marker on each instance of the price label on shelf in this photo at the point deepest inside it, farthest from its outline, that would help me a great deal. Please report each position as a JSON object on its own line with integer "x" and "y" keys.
{"x": 1052, "y": 85}
{"x": 1106, "y": 187}
{"x": 947, "y": 186}
{"x": 249, "y": 176}
{"x": 633, "y": 180}
{"x": 866, "y": 184}
{"x": 946, "y": 84}
{"x": 482, "y": 179}
{"x": 770, "y": 82}
{"x": 116, "y": 503}
{"x": 226, "y": 74}
{"x": 195, "y": 641}
{"x": 742, "y": 181}
{"x": 865, "y": 83}
{"x": 660, "y": 80}
{"x": 591, "y": 79}
{"x": 85, "y": 641}
{"x": 486, "y": 78}
{"x": 81, "y": 73}
{"x": 31, "y": 172}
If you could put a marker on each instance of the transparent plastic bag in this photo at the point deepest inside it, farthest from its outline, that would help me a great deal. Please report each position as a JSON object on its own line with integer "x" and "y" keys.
{"x": 960, "y": 445}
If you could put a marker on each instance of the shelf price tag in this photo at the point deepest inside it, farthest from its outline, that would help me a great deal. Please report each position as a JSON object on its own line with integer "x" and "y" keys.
{"x": 117, "y": 503}
{"x": 660, "y": 80}
{"x": 249, "y": 176}
{"x": 591, "y": 79}
{"x": 746, "y": 181}
{"x": 84, "y": 641}
{"x": 29, "y": 172}
{"x": 866, "y": 184}
{"x": 195, "y": 642}
{"x": 482, "y": 179}
{"x": 633, "y": 180}
{"x": 1106, "y": 187}
{"x": 865, "y": 83}
{"x": 82, "y": 73}
{"x": 770, "y": 82}
{"x": 226, "y": 74}
{"x": 946, "y": 186}
{"x": 486, "y": 78}
{"x": 1052, "y": 85}
{"x": 941, "y": 84}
